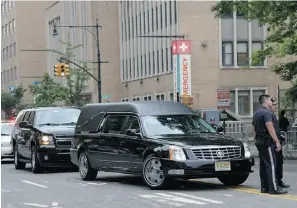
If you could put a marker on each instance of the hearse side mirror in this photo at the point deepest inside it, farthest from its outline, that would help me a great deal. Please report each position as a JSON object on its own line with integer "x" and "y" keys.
{"x": 132, "y": 132}
{"x": 25, "y": 125}
{"x": 220, "y": 129}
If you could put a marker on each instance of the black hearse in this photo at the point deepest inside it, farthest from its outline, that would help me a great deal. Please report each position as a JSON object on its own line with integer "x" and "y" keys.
{"x": 42, "y": 137}
{"x": 159, "y": 140}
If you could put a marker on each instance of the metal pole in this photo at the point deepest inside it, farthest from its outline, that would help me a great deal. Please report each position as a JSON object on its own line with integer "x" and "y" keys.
{"x": 99, "y": 62}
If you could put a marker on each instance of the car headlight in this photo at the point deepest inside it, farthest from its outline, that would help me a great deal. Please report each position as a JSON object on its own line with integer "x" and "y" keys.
{"x": 46, "y": 140}
{"x": 176, "y": 153}
{"x": 247, "y": 152}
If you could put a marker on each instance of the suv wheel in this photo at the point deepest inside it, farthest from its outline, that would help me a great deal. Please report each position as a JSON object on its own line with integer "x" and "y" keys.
{"x": 87, "y": 173}
{"x": 17, "y": 163}
{"x": 233, "y": 180}
{"x": 35, "y": 165}
{"x": 152, "y": 173}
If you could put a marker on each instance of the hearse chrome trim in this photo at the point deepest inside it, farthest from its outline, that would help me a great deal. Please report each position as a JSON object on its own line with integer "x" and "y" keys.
{"x": 217, "y": 152}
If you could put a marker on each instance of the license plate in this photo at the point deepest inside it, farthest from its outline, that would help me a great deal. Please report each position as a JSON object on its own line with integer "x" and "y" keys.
{"x": 223, "y": 166}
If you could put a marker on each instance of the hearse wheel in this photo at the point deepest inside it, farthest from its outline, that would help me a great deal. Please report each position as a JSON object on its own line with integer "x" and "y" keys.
{"x": 233, "y": 180}
{"x": 152, "y": 173}
{"x": 17, "y": 163}
{"x": 35, "y": 165}
{"x": 87, "y": 173}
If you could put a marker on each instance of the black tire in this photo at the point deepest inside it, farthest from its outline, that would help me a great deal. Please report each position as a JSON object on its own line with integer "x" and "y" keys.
{"x": 35, "y": 165}
{"x": 86, "y": 172}
{"x": 164, "y": 181}
{"x": 234, "y": 180}
{"x": 17, "y": 163}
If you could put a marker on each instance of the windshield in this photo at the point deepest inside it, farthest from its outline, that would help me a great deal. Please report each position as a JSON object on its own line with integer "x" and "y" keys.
{"x": 6, "y": 129}
{"x": 57, "y": 117}
{"x": 175, "y": 125}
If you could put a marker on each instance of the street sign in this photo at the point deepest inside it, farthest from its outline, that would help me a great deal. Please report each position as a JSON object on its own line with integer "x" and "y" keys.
{"x": 223, "y": 96}
{"x": 36, "y": 83}
{"x": 11, "y": 88}
{"x": 105, "y": 97}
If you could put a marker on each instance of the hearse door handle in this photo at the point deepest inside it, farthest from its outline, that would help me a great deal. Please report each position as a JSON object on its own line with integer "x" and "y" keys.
{"x": 122, "y": 143}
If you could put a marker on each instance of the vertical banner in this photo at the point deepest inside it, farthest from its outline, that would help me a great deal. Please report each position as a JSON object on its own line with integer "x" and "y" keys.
{"x": 181, "y": 56}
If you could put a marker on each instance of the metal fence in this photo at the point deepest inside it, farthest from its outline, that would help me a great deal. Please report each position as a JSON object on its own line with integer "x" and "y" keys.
{"x": 245, "y": 131}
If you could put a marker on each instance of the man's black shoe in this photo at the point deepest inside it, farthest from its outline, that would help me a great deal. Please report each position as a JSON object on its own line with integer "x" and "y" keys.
{"x": 278, "y": 191}
{"x": 264, "y": 191}
{"x": 283, "y": 185}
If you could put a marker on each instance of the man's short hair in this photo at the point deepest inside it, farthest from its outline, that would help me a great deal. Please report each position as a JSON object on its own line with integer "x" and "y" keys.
{"x": 262, "y": 98}
{"x": 283, "y": 112}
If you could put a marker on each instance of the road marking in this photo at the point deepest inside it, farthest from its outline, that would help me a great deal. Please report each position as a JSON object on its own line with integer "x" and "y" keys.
{"x": 35, "y": 205}
{"x": 35, "y": 184}
{"x": 199, "y": 198}
{"x": 252, "y": 191}
{"x": 86, "y": 183}
{"x": 5, "y": 191}
{"x": 180, "y": 199}
{"x": 229, "y": 195}
{"x": 55, "y": 204}
{"x": 159, "y": 199}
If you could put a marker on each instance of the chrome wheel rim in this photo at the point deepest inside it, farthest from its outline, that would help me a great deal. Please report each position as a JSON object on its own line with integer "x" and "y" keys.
{"x": 33, "y": 160}
{"x": 153, "y": 172}
{"x": 83, "y": 165}
{"x": 15, "y": 157}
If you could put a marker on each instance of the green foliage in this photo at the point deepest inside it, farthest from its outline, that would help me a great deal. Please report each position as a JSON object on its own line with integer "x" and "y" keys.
{"x": 12, "y": 100}
{"x": 281, "y": 19}
{"x": 48, "y": 93}
{"x": 76, "y": 82}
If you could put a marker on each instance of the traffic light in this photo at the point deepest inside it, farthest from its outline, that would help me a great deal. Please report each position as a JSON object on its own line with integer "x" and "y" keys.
{"x": 57, "y": 70}
{"x": 66, "y": 70}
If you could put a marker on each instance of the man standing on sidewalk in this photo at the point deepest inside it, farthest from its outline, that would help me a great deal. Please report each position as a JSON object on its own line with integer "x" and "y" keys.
{"x": 265, "y": 129}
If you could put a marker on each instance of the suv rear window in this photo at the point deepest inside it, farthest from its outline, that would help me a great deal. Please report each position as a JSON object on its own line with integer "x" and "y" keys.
{"x": 57, "y": 116}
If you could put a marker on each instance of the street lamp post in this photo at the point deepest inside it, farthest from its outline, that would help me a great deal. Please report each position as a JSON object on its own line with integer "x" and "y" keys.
{"x": 97, "y": 26}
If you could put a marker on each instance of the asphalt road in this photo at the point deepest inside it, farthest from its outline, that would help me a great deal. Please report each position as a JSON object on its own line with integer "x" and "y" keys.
{"x": 64, "y": 189}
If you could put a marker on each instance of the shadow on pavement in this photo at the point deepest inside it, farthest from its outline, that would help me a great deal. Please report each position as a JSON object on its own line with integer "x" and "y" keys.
{"x": 175, "y": 185}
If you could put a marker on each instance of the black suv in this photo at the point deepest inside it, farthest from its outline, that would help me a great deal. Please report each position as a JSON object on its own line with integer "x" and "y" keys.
{"x": 42, "y": 137}
{"x": 159, "y": 140}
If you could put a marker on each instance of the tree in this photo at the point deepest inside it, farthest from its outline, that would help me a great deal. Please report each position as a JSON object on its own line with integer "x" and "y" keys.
{"x": 11, "y": 100}
{"x": 281, "y": 19}
{"x": 48, "y": 93}
{"x": 76, "y": 82}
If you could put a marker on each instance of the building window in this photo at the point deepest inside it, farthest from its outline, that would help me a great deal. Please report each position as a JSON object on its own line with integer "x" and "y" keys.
{"x": 13, "y": 25}
{"x": 7, "y": 57}
{"x": 6, "y": 30}
{"x": 3, "y": 32}
{"x": 227, "y": 53}
{"x": 147, "y": 98}
{"x": 13, "y": 3}
{"x": 242, "y": 54}
{"x": 160, "y": 96}
{"x": 4, "y": 77}
{"x": 244, "y": 102}
{"x": 7, "y": 76}
{"x": 2, "y": 9}
{"x": 15, "y": 73}
{"x": 14, "y": 49}
{"x": 3, "y": 54}
{"x": 10, "y": 51}
{"x": 136, "y": 99}
{"x": 255, "y": 47}
{"x": 240, "y": 38}
{"x": 125, "y": 99}
{"x": 5, "y": 6}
